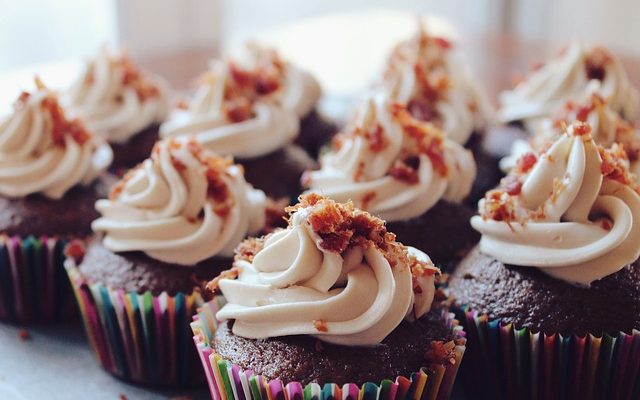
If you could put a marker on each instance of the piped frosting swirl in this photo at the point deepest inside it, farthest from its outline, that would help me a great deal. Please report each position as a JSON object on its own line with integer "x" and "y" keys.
{"x": 393, "y": 165}
{"x": 43, "y": 151}
{"x": 334, "y": 272}
{"x": 427, "y": 75}
{"x": 182, "y": 205}
{"x": 247, "y": 107}
{"x": 573, "y": 211}
{"x": 566, "y": 77}
{"x": 115, "y": 98}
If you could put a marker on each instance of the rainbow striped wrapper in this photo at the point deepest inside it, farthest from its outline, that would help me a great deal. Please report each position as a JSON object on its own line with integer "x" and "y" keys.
{"x": 508, "y": 363}
{"x": 33, "y": 283}
{"x": 229, "y": 382}
{"x": 139, "y": 337}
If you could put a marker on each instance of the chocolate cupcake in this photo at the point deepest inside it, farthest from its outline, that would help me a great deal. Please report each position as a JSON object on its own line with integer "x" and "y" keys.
{"x": 49, "y": 180}
{"x": 121, "y": 103}
{"x": 169, "y": 225}
{"x": 607, "y": 128}
{"x": 407, "y": 172}
{"x": 332, "y": 301}
{"x": 252, "y": 110}
{"x": 428, "y": 76}
{"x": 566, "y": 77}
{"x": 551, "y": 297}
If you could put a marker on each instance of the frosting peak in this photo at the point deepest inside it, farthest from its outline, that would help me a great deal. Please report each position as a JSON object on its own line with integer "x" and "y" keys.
{"x": 334, "y": 272}
{"x": 393, "y": 164}
{"x": 566, "y": 77}
{"x": 115, "y": 98}
{"x": 572, "y": 210}
{"x": 247, "y": 107}
{"x": 427, "y": 75}
{"x": 41, "y": 150}
{"x": 182, "y": 205}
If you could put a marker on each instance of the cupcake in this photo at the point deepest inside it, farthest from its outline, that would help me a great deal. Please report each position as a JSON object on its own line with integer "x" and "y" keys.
{"x": 405, "y": 171}
{"x": 332, "y": 306}
{"x": 168, "y": 226}
{"x": 431, "y": 79}
{"x": 49, "y": 180}
{"x": 252, "y": 109}
{"x": 607, "y": 128}
{"x": 566, "y": 77}
{"x": 551, "y": 296}
{"x": 121, "y": 103}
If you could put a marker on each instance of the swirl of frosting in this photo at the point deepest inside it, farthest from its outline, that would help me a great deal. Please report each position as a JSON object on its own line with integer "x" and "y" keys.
{"x": 115, "y": 99}
{"x": 607, "y": 128}
{"x": 572, "y": 211}
{"x": 437, "y": 86}
{"x": 249, "y": 107}
{"x": 393, "y": 165}
{"x": 566, "y": 77}
{"x": 43, "y": 151}
{"x": 182, "y": 205}
{"x": 306, "y": 280}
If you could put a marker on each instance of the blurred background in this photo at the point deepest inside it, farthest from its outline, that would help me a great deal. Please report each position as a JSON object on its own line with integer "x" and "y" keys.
{"x": 343, "y": 41}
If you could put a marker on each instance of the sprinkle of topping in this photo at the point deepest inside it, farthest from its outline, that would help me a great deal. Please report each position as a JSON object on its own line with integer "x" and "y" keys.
{"x": 75, "y": 250}
{"x": 615, "y": 166}
{"x": 512, "y": 184}
{"x": 525, "y": 163}
{"x": 367, "y": 199}
{"x": 24, "y": 335}
{"x": 581, "y": 128}
{"x": 118, "y": 188}
{"x": 441, "y": 352}
{"x": 498, "y": 206}
{"x": 375, "y": 137}
{"x": 132, "y": 77}
{"x": 320, "y": 325}
{"x": 231, "y": 273}
{"x": 420, "y": 269}
{"x": 248, "y": 248}
{"x": 60, "y": 125}
{"x": 238, "y": 109}
{"x": 429, "y": 140}
{"x": 406, "y": 170}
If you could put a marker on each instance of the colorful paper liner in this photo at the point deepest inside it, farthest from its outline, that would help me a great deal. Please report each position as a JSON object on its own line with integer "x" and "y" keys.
{"x": 229, "y": 382}
{"x": 139, "y": 337}
{"x": 33, "y": 283}
{"x": 503, "y": 362}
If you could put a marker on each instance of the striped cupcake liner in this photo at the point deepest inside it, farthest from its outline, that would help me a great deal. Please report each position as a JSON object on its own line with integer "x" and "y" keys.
{"x": 511, "y": 363}
{"x": 229, "y": 382}
{"x": 33, "y": 283}
{"x": 139, "y": 337}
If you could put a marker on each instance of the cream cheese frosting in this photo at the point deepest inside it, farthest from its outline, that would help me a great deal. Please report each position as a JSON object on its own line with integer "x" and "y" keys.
{"x": 607, "y": 128}
{"x": 566, "y": 77}
{"x": 115, "y": 98}
{"x": 573, "y": 211}
{"x": 247, "y": 107}
{"x": 393, "y": 165}
{"x": 351, "y": 285}
{"x": 182, "y": 205}
{"x": 43, "y": 151}
{"x": 428, "y": 75}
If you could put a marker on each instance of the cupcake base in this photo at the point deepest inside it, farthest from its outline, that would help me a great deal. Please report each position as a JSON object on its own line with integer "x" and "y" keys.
{"x": 443, "y": 232}
{"x": 488, "y": 173}
{"x": 230, "y": 381}
{"x": 139, "y": 337}
{"x": 278, "y": 173}
{"x": 315, "y": 132}
{"x": 138, "y": 148}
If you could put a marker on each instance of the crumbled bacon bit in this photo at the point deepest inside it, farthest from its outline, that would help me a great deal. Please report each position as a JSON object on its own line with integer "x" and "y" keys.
{"x": 118, "y": 188}
{"x": 512, "y": 184}
{"x": 422, "y": 110}
{"x": 606, "y": 224}
{"x": 376, "y": 138}
{"x": 320, "y": 325}
{"x": 231, "y": 273}
{"x": 403, "y": 171}
{"x": 420, "y": 269}
{"x": 131, "y": 76}
{"x": 357, "y": 176}
{"x": 525, "y": 163}
{"x": 24, "y": 335}
{"x": 22, "y": 100}
{"x": 75, "y": 250}
{"x": 238, "y": 109}
{"x": 428, "y": 138}
{"x": 61, "y": 126}
{"x": 441, "y": 352}
{"x": 248, "y": 248}
{"x": 498, "y": 206}
{"x": 442, "y": 42}
{"x": 581, "y": 128}
{"x": 182, "y": 104}
{"x": 614, "y": 166}
{"x": 366, "y": 200}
